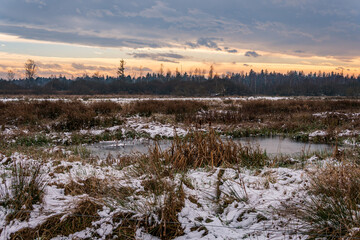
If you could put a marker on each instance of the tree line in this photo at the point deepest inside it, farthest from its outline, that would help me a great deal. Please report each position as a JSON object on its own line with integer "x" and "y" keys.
{"x": 293, "y": 83}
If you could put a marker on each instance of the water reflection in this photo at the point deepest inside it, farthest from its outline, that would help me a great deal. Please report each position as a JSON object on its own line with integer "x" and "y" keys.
{"x": 272, "y": 145}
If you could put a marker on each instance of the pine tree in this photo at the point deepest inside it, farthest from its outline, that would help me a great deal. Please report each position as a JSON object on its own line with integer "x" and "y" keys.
{"x": 121, "y": 70}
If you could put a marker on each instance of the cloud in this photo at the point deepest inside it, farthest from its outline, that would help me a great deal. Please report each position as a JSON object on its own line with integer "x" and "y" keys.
{"x": 100, "y": 13}
{"x": 39, "y": 2}
{"x": 342, "y": 69}
{"x": 227, "y": 49}
{"x": 265, "y": 25}
{"x": 252, "y": 54}
{"x": 80, "y": 66}
{"x": 207, "y": 42}
{"x": 49, "y": 66}
{"x": 232, "y": 51}
{"x": 161, "y": 57}
{"x": 159, "y": 10}
{"x": 305, "y": 62}
{"x": 72, "y": 36}
{"x": 143, "y": 69}
{"x": 192, "y": 45}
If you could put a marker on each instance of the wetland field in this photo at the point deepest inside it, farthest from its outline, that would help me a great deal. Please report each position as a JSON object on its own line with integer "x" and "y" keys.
{"x": 86, "y": 167}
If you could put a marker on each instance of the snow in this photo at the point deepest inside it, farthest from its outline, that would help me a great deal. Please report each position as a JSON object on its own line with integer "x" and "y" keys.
{"x": 325, "y": 114}
{"x": 318, "y": 133}
{"x": 92, "y": 132}
{"x": 261, "y": 200}
{"x": 252, "y": 196}
{"x": 155, "y": 128}
{"x": 347, "y": 133}
{"x": 134, "y": 99}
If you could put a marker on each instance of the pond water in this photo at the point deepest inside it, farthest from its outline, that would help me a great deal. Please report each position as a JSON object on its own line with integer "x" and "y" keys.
{"x": 272, "y": 145}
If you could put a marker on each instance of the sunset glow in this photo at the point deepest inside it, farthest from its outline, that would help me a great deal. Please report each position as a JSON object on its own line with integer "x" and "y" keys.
{"x": 74, "y": 38}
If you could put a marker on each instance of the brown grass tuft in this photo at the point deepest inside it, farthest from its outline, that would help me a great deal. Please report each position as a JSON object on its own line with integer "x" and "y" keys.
{"x": 200, "y": 149}
{"x": 79, "y": 219}
{"x": 26, "y": 189}
{"x": 332, "y": 208}
{"x": 97, "y": 188}
{"x": 167, "y": 226}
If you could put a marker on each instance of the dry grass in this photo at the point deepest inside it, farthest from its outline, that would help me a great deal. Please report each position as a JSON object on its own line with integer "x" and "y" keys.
{"x": 179, "y": 108}
{"x": 332, "y": 208}
{"x": 200, "y": 149}
{"x": 126, "y": 228}
{"x": 167, "y": 225}
{"x": 284, "y": 116}
{"x": 288, "y": 116}
{"x": 84, "y": 213}
{"x": 61, "y": 115}
{"x": 26, "y": 189}
{"x": 97, "y": 188}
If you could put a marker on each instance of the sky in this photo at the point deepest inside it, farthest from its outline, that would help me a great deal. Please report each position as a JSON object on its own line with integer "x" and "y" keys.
{"x": 77, "y": 37}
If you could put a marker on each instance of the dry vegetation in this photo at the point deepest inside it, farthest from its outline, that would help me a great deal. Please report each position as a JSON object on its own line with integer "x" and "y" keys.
{"x": 200, "y": 149}
{"x": 25, "y": 189}
{"x": 332, "y": 208}
{"x": 80, "y": 218}
{"x": 236, "y": 117}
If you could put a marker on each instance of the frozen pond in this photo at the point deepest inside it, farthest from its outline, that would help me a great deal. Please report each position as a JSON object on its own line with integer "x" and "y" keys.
{"x": 272, "y": 145}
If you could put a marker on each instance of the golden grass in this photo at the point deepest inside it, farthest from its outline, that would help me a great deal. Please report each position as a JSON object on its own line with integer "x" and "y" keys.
{"x": 200, "y": 149}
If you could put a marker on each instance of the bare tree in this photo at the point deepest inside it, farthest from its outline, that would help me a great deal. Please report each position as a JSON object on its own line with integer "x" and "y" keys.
{"x": 161, "y": 72}
{"x": 168, "y": 74}
{"x": 97, "y": 75}
{"x": 177, "y": 73}
{"x": 121, "y": 69}
{"x": 10, "y": 75}
{"x": 211, "y": 72}
{"x": 30, "y": 69}
{"x": 141, "y": 71}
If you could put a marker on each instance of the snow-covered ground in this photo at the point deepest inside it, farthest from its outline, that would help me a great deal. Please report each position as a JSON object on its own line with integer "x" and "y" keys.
{"x": 133, "y": 99}
{"x": 154, "y": 128}
{"x": 246, "y": 206}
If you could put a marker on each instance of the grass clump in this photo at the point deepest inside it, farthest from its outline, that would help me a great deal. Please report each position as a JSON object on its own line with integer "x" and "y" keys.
{"x": 38, "y": 141}
{"x": 159, "y": 218}
{"x": 79, "y": 219}
{"x": 332, "y": 208}
{"x": 200, "y": 149}
{"x": 25, "y": 189}
{"x": 97, "y": 188}
{"x": 163, "y": 221}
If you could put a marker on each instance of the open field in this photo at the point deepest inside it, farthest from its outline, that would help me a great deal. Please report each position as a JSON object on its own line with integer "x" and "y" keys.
{"x": 206, "y": 184}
